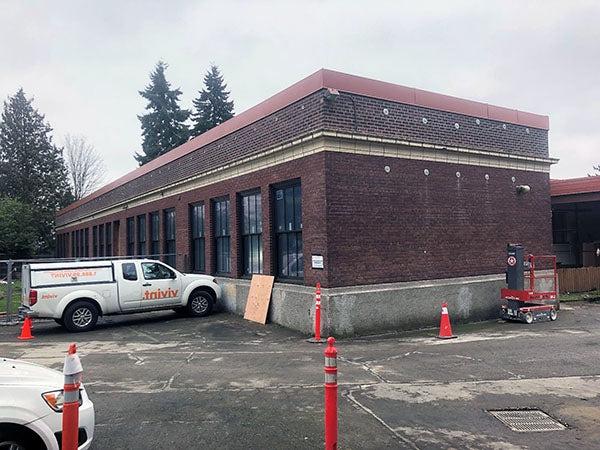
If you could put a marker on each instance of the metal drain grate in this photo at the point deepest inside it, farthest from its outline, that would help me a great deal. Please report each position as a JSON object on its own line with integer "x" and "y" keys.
{"x": 527, "y": 420}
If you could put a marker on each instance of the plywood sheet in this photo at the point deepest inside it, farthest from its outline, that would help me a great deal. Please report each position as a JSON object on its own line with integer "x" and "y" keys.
{"x": 259, "y": 297}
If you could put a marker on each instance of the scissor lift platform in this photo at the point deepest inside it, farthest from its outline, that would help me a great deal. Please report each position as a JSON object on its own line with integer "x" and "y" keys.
{"x": 533, "y": 305}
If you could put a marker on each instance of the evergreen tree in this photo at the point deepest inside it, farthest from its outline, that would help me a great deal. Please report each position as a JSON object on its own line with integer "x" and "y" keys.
{"x": 213, "y": 106}
{"x": 18, "y": 232}
{"x": 163, "y": 128}
{"x": 32, "y": 169}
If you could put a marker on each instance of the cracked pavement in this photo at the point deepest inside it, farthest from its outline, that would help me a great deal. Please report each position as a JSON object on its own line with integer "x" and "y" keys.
{"x": 163, "y": 381}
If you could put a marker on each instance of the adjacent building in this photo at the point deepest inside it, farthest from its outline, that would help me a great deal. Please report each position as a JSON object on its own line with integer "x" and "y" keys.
{"x": 576, "y": 221}
{"x": 393, "y": 198}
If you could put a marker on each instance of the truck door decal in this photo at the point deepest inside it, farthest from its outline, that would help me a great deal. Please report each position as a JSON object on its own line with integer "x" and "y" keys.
{"x": 159, "y": 294}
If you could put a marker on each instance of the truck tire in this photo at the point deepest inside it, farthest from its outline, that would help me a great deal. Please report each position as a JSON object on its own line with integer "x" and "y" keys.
{"x": 80, "y": 315}
{"x": 200, "y": 303}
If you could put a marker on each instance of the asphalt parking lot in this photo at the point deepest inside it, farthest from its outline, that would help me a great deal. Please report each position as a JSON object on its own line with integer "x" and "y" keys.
{"x": 162, "y": 381}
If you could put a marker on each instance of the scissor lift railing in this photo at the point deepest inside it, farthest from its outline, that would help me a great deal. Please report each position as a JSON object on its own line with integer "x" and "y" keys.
{"x": 533, "y": 302}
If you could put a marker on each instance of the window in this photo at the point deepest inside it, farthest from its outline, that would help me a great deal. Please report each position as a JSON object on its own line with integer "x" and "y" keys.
{"x": 154, "y": 234}
{"x": 564, "y": 227}
{"x": 72, "y": 243}
{"x": 129, "y": 272}
{"x": 252, "y": 233}
{"x": 130, "y": 230}
{"x": 79, "y": 243}
{"x": 100, "y": 240}
{"x": 288, "y": 228}
{"x": 156, "y": 271}
{"x": 197, "y": 241}
{"x": 169, "y": 224}
{"x": 109, "y": 239}
{"x": 141, "y": 235}
{"x": 86, "y": 242}
{"x": 94, "y": 241}
{"x": 222, "y": 243}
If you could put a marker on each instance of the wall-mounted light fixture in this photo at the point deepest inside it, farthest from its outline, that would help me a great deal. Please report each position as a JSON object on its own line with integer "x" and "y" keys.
{"x": 331, "y": 94}
{"x": 523, "y": 189}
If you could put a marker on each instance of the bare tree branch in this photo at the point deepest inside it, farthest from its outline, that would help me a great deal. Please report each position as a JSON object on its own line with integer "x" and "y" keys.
{"x": 86, "y": 166}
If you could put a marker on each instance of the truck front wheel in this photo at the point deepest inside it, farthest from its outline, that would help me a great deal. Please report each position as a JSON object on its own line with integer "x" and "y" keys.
{"x": 80, "y": 316}
{"x": 200, "y": 303}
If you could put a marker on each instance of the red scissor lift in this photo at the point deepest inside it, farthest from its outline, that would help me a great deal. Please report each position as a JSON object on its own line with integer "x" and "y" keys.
{"x": 536, "y": 302}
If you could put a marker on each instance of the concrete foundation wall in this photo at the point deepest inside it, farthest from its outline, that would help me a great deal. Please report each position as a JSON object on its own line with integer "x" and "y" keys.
{"x": 374, "y": 308}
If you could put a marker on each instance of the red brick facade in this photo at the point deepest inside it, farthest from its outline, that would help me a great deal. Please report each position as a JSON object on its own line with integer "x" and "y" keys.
{"x": 404, "y": 225}
{"x": 374, "y": 219}
{"x": 308, "y": 170}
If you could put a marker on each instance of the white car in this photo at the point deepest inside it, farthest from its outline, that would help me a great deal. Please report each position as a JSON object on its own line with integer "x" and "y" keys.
{"x": 31, "y": 408}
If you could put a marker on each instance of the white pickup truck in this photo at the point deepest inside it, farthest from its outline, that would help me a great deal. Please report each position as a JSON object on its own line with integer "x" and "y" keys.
{"x": 74, "y": 294}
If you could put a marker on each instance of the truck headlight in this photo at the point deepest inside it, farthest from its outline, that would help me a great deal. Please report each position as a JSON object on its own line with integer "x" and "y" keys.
{"x": 55, "y": 399}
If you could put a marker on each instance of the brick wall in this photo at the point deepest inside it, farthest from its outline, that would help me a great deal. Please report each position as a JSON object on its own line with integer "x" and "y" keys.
{"x": 347, "y": 113}
{"x": 403, "y": 225}
{"x": 310, "y": 172}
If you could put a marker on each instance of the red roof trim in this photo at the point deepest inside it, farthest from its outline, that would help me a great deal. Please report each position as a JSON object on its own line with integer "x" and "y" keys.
{"x": 342, "y": 82}
{"x": 583, "y": 185}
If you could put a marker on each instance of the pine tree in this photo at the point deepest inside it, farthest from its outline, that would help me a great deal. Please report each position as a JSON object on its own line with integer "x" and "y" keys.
{"x": 213, "y": 106}
{"x": 163, "y": 128}
{"x": 32, "y": 169}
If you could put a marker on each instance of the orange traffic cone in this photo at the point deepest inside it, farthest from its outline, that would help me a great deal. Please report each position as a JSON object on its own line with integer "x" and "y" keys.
{"x": 26, "y": 330}
{"x": 445, "y": 327}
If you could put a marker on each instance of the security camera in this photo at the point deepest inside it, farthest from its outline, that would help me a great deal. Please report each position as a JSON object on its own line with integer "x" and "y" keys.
{"x": 331, "y": 94}
{"x": 523, "y": 189}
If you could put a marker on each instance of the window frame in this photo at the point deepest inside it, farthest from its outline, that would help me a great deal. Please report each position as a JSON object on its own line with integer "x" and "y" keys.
{"x": 108, "y": 227}
{"x": 130, "y": 235}
{"x": 95, "y": 241}
{"x": 154, "y": 244}
{"x": 101, "y": 237}
{"x": 222, "y": 235}
{"x": 198, "y": 236}
{"x": 295, "y": 231}
{"x": 251, "y": 233}
{"x": 171, "y": 277}
{"x": 142, "y": 235}
{"x": 134, "y": 269}
{"x": 86, "y": 242}
{"x": 170, "y": 244}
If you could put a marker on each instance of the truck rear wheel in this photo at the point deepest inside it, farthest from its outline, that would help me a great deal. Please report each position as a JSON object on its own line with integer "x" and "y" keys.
{"x": 81, "y": 315}
{"x": 200, "y": 303}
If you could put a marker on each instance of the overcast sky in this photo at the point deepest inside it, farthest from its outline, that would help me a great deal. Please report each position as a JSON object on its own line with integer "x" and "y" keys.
{"x": 85, "y": 61}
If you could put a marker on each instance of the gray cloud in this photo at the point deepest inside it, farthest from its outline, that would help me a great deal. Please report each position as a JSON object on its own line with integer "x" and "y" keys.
{"x": 84, "y": 61}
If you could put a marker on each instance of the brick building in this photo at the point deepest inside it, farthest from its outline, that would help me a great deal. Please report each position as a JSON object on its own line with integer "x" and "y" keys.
{"x": 388, "y": 186}
{"x": 576, "y": 221}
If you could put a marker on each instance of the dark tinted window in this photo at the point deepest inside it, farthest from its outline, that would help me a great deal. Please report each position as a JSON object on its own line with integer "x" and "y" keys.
{"x": 222, "y": 238}
{"x": 129, "y": 272}
{"x": 252, "y": 253}
{"x": 288, "y": 230}
{"x": 197, "y": 238}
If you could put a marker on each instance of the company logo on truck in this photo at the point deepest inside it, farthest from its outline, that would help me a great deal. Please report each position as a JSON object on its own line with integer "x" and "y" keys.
{"x": 159, "y": 293}
{"x": 72, "y": 273}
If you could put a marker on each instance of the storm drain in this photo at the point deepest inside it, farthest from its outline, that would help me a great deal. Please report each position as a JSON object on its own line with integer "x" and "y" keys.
{"x": 527, "y": 420}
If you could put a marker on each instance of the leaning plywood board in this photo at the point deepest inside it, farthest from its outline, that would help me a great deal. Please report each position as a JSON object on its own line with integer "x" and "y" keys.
{"x": 259, "y": 298}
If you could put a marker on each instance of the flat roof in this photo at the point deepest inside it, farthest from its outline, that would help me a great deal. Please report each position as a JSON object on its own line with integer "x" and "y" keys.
{"x": 573, "y": 186}
{"x": 321, "y": 79}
